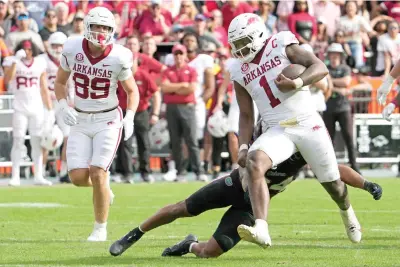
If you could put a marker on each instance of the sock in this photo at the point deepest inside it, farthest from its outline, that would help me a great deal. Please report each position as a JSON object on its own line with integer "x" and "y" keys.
{"x": 140, "y": 229}
{"x": 16, "y": 156}
{"x": 190, "y": 247}
{"x": 171, "y": 165}
{"x": 100, "y": 225}
{"x": 37, "y": 156}
{"x": 261, "y": 223}
{"x": 64, "y": 169}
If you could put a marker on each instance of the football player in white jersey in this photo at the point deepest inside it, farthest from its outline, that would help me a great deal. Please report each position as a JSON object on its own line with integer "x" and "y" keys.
{"x": 52, "y": 58}
{"x": 291, "y": 122}
{"x": 96, "y": 65}
{"x": 26, "y": 74}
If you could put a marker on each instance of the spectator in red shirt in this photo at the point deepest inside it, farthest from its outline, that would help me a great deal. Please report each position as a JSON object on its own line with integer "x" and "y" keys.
{"x": 149, "y": 47}
{"x": 392, "y": 8}
{"x": 214, "y": 25}
{"x": 155, "y": 21}
{"x": 98, "y": 3}
{"x": 233, "y": 8}
{"x": 302, "y": 24}
{"x": 178, "y": 86}
{"x": 147, "y": 90}
{"x": 187, "y": 13}
{"x": 146, "y": 63}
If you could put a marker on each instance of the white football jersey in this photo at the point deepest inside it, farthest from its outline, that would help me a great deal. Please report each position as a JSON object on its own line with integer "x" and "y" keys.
{"x": 200, "y": 63}
{"x": 26, "y": 85}
{"x": 258, "y": 79}
{"x": 51, "y": 71}
{"x": 96, "y": 79}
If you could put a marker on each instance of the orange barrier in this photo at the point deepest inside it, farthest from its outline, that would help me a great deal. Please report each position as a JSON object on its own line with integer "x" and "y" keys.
{"x": 373, "y": 106}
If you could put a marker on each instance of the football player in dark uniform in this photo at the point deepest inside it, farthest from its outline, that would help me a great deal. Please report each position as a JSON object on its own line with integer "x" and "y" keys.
{"x": 228, "y": 191}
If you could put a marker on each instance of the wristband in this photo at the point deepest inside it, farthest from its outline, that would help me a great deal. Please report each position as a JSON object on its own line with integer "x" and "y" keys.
{"x": 395, "y": 102}
{"x": 63, "y": 103}
{"x": 129, "y": 114}
{"x": 298, "y": 82}
{"x": 243, "y": 147}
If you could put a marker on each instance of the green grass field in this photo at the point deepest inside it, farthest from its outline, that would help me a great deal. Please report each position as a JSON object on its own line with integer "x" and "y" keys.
{"x": 305, "y": 227}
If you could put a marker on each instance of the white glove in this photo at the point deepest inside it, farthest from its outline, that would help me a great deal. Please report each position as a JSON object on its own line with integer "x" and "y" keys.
{"x": 384, "y": 90}
{"x": 20, "y": 54}
{"x": 128, "y": 124}
{"x": 69, "y": 114}
{"x": 388, "y": 110}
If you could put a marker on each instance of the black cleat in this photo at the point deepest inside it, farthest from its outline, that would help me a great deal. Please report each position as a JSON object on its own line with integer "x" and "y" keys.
{"x": 374, "y": 189}
{"x": 181, "y": 248}
{"x": 119, "y": 246}
{"x": 65, "y": 179}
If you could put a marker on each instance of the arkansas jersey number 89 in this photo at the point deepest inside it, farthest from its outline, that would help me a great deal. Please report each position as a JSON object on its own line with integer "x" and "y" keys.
{"x": 82, "y": 82}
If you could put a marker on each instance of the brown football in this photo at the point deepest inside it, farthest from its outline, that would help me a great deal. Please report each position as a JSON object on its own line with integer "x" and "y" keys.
{"x": 293, "y": 71}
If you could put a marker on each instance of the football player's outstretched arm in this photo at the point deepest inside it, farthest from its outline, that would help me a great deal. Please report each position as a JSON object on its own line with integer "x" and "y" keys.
{"x": 246, "y": 119}
{"x": 44, "y": 91}
{"x": 209, "y": 84}
{"x": 387, "y": 84}
{"x": 316, "y": 69}
{"x": 60, "y": 84}
{"x": 9, "y": 73}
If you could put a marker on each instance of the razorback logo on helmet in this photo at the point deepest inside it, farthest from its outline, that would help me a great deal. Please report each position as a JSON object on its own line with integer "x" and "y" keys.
{"x": 245, "y": 68}
{"x": 251, "y": 20}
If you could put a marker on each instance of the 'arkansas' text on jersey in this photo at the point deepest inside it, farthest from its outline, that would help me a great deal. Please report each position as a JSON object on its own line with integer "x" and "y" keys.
{"x": 262, "y": 69}
{"x": 89, "y": 70}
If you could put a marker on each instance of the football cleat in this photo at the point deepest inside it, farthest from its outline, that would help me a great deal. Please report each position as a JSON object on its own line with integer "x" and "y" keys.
{"x": 14, "y": 182}
{"x": 42, "y": 181}
{"x": 98, "y": 235}
{"x": 119, "y": 246}
{"x": 353, "y": 227}
{"x": 170, "y": 176}
{"x": 256, "y": 235}
{"x": 181, "y": 248}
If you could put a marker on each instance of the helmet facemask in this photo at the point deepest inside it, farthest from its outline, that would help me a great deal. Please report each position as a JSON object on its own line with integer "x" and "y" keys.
{"x": 246, "y": 48}
{"x": 99, "y": 38}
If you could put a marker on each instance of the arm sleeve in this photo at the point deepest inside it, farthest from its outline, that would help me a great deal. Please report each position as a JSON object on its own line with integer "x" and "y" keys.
{"x": 127, "y": 62}
{"x": 287, "y": 38}
{"x": 64, "y": 62}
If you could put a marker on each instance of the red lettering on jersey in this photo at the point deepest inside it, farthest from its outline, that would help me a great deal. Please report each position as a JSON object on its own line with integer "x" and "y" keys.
{"x": 96, "y": 71}
{"x": 274, "y": 45}
{"x": 79, "y": 68}
{"x": 26, "y": 82}
{"x": 269, "y": 64}
{"x": 251, "y": 20}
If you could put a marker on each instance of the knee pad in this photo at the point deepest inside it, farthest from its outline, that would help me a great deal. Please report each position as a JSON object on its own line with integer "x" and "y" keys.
{"x": 201, "y": 143}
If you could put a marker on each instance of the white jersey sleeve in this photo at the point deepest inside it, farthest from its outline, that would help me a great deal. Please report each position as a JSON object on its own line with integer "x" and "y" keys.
{"x": 286, "y": 38}
{"x": 68, "y": 50}
{"x": 127, "y": 63}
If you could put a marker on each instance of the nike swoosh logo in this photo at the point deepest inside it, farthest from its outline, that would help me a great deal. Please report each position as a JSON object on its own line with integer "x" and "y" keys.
{"x": 105, "y": 65}
{"x": 268, "y": 53}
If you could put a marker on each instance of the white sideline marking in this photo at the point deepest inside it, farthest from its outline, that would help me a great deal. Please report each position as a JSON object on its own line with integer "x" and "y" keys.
{"x": 31, "y": 205}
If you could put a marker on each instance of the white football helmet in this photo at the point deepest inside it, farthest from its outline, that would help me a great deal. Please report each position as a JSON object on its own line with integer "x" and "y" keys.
{"x": 217, "y": 124}
{"x": 53, "y": 139}
{"x": 247, "y": 34}
{"x": 57, "y": 38}
{"x": 99, "y": 16}
{"x": 159, "y": 135}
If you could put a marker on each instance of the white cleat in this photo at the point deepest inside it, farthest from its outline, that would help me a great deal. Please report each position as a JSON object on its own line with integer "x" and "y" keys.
{"x": 258, "y": 234}
{"x": 202, "y": 178}
{"x": 112, "y": 196}
{"x": 353, "y": 227}
{"x": 42, "y": 181}
{"x": 14, "y": 182}
{"x": 170, "y": 176}
{"x": 98, "y": 235}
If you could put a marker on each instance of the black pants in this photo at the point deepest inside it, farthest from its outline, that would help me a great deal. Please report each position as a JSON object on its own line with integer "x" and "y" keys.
{"x": 345, "y": 120}
{"x": 125, "y": 151}
{"x": 181, "y": 120}
{"x": 218, "y": 145}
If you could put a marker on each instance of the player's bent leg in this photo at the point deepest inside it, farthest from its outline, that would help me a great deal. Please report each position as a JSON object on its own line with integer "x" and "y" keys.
{"x": 354, "y": 179}
{"x": 165, "y": 215}
{"x": 338, "y": 192}
{"x": 209, "y": 249}
{"x": 101, "y": 202}
{"x": 80, "y": 177}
